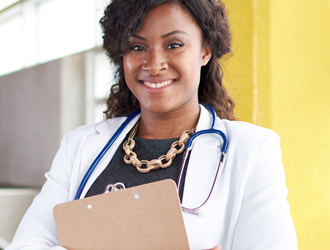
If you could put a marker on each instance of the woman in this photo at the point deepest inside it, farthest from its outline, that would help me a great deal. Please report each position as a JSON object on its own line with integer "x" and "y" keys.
{"x": 167, "y": 56}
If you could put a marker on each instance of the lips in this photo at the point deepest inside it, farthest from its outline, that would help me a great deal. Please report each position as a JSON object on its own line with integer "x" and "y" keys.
{"x": 156, "y": 85}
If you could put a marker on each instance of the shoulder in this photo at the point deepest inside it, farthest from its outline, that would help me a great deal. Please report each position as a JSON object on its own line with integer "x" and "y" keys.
{"x": 254, "y": 147}
{"x": 255, "y": 151}
{"x": 80, "y": 134}
{"x": 249, "y": 135}
{"x": 97, "y": 128}
{"x": 246, "y": 130}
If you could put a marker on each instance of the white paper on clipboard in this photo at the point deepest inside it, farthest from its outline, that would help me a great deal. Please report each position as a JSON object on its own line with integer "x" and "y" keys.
{"x": 140, "y": 218}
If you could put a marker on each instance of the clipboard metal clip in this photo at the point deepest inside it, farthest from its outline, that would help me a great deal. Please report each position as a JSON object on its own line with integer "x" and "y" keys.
{"x": 114, "y": 187}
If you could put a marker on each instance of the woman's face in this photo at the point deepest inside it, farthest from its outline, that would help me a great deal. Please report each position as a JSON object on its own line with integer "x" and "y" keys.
{"x": 162, "y": 67}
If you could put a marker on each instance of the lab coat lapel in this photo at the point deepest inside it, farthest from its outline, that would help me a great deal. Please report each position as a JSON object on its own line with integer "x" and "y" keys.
{"x": 95, "y": 143}
{"x": 201, "y": 171}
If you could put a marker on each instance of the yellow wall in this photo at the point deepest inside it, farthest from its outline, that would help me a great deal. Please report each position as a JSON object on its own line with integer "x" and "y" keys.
{"x": 280, "y": 78}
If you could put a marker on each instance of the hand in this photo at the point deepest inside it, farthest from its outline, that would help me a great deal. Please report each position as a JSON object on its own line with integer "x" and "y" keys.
{"x": 218, "y": 247}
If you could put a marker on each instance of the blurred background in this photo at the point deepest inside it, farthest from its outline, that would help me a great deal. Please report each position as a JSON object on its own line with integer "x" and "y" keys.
{"x": 54, "y": 77}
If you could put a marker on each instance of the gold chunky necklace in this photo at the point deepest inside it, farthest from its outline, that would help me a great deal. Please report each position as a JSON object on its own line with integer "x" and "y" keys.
{"x": 177, "y": 147}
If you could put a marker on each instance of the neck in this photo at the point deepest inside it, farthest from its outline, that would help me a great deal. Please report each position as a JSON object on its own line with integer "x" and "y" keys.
{"x": 167, "y": 125}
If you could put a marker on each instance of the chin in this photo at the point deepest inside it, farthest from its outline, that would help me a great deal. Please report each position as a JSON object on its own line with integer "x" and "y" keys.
{"x": 158, "y": 108}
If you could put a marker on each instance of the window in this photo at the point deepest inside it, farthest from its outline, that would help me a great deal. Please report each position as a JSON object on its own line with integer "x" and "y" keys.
{"x": 11, "y": 49}
{"x": 37, "y": 31}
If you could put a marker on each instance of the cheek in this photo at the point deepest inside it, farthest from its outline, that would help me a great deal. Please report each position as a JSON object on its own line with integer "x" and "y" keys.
{"x": 128, "y": 68}
{"x": 128, "y": 64}
{"x": 192, "y": 61}
{"x": 132, "y": 62}
{"x": 191, "y": 68}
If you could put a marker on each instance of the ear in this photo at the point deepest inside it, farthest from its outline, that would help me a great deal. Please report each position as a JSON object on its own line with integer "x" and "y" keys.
{"x": 206, "y": 55}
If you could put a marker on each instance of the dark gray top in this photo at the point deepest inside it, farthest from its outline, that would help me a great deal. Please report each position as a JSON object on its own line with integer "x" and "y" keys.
{"x": 146, "y": 149}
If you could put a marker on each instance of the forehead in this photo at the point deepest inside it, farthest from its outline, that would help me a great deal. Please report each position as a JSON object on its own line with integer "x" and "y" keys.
{"x": 167, "y": 18}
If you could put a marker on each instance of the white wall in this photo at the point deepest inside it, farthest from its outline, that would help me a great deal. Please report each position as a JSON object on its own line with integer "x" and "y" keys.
{"x": 38, "y": 106}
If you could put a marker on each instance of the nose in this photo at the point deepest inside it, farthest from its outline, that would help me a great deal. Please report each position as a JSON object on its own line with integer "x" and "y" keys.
{"x": 154, "y": 62}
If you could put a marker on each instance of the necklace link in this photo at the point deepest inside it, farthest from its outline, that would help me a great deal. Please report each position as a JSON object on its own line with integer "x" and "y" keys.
{"x": 145, "y": 166}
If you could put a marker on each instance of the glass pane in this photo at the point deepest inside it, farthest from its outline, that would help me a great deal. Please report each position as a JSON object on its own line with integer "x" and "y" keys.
{"x": 11, "y": 49}
{"x": 99, "y": 11}
{"x": 103, "y": 78}
{"x": 98, "y": 115}
{"x": 29, "y": 27}
{"x": 65, "y": 27}
{"x": 6, "y": 3}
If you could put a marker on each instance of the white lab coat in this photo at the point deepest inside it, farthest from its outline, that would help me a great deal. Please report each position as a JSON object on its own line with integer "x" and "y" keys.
{"x": 247, "y": 209}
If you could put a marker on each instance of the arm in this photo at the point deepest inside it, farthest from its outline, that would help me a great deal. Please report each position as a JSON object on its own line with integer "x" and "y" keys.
{"x": 37, "y": 229}
{"x": 264, "y": 221}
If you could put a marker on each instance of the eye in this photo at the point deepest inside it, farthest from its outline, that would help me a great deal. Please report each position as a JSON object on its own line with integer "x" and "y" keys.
{"x": 137, "y": 48}
{"x": 174, "y": 45}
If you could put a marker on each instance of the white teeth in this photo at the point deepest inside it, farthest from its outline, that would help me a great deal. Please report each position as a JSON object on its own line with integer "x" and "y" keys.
{"x": 157, "y": 85}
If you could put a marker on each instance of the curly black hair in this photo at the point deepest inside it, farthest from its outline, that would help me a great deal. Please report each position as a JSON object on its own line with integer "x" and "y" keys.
{"x": 122, "y": 18}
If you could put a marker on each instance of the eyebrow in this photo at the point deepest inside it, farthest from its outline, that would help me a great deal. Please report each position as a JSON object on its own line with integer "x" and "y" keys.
{"x": 163, "y": 36}
{"x": 139, "y": 37}
{"x": 173, "y": 33}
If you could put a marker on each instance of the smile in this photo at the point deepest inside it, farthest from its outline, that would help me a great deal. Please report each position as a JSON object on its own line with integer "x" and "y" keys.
{"x": 158, "y": 84}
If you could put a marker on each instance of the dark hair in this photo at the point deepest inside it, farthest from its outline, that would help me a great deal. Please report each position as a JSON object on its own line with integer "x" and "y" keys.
{"x": 122, "y": 18}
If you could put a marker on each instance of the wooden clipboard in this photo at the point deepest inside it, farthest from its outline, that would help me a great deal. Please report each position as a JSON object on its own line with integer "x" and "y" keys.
{"x": 142, "y": 217}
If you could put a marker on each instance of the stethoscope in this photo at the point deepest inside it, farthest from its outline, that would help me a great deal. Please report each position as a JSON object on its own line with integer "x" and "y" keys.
{"x": 185, "y": 161}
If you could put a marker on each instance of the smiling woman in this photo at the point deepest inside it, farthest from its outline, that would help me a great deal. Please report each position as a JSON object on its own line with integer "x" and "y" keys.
{"x": 162, "y": 68}
{"x": 207, "y": 23}
{"x": 166, "y": 53}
